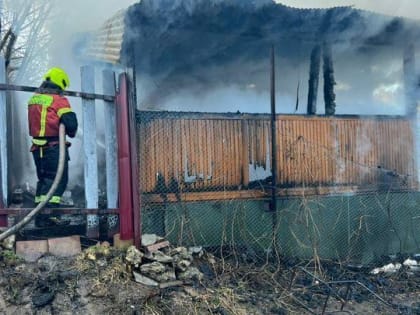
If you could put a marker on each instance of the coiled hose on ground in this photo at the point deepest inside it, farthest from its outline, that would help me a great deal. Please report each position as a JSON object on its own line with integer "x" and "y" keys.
{"x": 57, "y": 179}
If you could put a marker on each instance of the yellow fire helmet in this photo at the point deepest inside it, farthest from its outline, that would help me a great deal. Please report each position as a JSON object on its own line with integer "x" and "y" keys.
{"x": 58, "y": 76}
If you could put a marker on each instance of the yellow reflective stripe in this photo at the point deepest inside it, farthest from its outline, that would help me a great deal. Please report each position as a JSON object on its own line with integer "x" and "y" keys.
{"x": 55, "y": 199}
{"x": 39, "y": 141}
{"x": 62, "y": 111}
{"x": 45, "y": 101}
{"x": 43, "y": 121}
{"x": 41, "y": 99}
{"x": 40, "y": 198}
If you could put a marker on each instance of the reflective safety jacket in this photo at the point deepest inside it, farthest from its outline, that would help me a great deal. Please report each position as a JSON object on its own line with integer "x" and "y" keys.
{"x": 45, "y": 112}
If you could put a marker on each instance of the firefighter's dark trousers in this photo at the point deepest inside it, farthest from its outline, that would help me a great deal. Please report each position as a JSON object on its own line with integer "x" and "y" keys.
{"x": 46, "y": 162}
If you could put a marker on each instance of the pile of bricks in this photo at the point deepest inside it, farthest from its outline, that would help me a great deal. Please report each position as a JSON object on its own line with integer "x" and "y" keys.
{"x": 158, "y": 264}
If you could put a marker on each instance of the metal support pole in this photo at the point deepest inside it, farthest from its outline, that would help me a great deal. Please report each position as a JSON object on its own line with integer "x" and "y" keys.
{"x": 3, "y": 146}
{"x": 89, "y": 149}
{"x": 273, "y": 134}
{"x": 124, "y": 161}
{"x": 273, "y": 203}
{"x": 108, "y": 79}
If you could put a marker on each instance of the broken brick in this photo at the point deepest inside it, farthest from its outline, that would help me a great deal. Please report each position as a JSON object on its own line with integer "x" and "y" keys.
{"x": 154, "y": 247}
{"x": 65, "y": 246}
{"x": 31, "y": 251}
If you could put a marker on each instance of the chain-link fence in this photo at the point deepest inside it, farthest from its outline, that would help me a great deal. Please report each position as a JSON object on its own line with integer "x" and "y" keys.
{"x": 344, "y": 192}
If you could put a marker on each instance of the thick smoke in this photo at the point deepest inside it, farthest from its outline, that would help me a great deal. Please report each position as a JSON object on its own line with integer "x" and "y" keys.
{"x": 214, "y": 55}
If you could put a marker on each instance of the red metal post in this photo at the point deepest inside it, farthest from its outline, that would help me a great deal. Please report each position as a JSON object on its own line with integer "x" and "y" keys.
{"x": 125, "y": 194}
{"x": 3, "y": 218}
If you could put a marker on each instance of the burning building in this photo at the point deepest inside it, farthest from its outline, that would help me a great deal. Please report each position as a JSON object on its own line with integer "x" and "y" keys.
{"x": 201, "y": 71}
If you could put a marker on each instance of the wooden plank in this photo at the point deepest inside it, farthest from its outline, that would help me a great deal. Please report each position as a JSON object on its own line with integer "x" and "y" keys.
{"x": 238, "y": 151}
{"x": 288, "y": 152}
{"x": 146, "y": 159}
{"x": 210, "y": 151}
{"x": 313, "y": 153}
{"x": 299, "y": 162}
{"x": 251, "y": 141}
{"x": 306, "y": 154}
{"x": 155, "y": 151}
{"x": 111, "y": 156}
{"x": 3, "y": 144}
{"x": 319, "y": 152}
{"x": 165, "y": 150}
{"x": 267, "y": 149}
{"x": 89, "y": 150}
{"x": 403, "y": 163}
{"x": 260, "y": 195}
{"x": 245, "y": 152}
{"x": 204, "y": 153}
{"x": 294, "y": 151}
{"x": 177, "y": 152}
{"x": 108, "y": 80}
{"x": 219, "y": 154}
{"x": 228, "y": 154}
{"x": 193, "y": 150}
{"x": 280, "y": 152}
{"x": 91, "y": 96}
{"x": 348, "y": 162}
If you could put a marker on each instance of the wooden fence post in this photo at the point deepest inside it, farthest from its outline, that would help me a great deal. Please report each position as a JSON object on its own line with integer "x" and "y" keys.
{"x": 89, "y": 149}
{"x": 108, "y": 82}
{"x": 3, "y": 146}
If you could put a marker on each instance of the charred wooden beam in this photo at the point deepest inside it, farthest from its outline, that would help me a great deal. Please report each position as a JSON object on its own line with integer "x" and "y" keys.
{"x": 314, "y": 79}
{"x": 410, "y": 84}
{"x": 329, "y": 81}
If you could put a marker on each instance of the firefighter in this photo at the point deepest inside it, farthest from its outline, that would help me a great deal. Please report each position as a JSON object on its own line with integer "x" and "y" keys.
{"x": 45, "y": 113}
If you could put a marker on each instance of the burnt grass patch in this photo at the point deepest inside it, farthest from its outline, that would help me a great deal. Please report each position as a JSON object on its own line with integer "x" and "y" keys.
{"x": 232, "y": 284}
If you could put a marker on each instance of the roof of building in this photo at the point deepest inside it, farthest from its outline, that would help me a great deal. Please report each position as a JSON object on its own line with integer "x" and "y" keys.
{"x": 106, "y": 44}
{"x": 160, "y": 27}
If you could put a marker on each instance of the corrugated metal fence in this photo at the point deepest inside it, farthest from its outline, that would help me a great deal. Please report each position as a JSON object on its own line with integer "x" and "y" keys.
{"x": 199, "y": 152}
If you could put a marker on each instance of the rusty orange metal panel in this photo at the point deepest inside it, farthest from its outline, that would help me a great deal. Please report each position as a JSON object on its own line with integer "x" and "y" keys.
{"x": 312, "y": 151}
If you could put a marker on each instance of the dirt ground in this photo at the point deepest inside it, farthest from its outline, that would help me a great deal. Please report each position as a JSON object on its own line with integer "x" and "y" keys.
{"x": 230, "y": 286}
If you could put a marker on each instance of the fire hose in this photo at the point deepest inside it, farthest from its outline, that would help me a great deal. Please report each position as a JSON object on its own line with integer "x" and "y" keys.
{"x": 62, "y": 155}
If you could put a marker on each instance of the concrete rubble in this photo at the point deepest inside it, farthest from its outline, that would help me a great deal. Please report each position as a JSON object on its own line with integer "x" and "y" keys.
{"x": 157, "y": 264}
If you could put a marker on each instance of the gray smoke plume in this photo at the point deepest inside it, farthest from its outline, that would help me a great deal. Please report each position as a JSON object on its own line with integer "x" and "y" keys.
{"x": 187, "y": 53}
